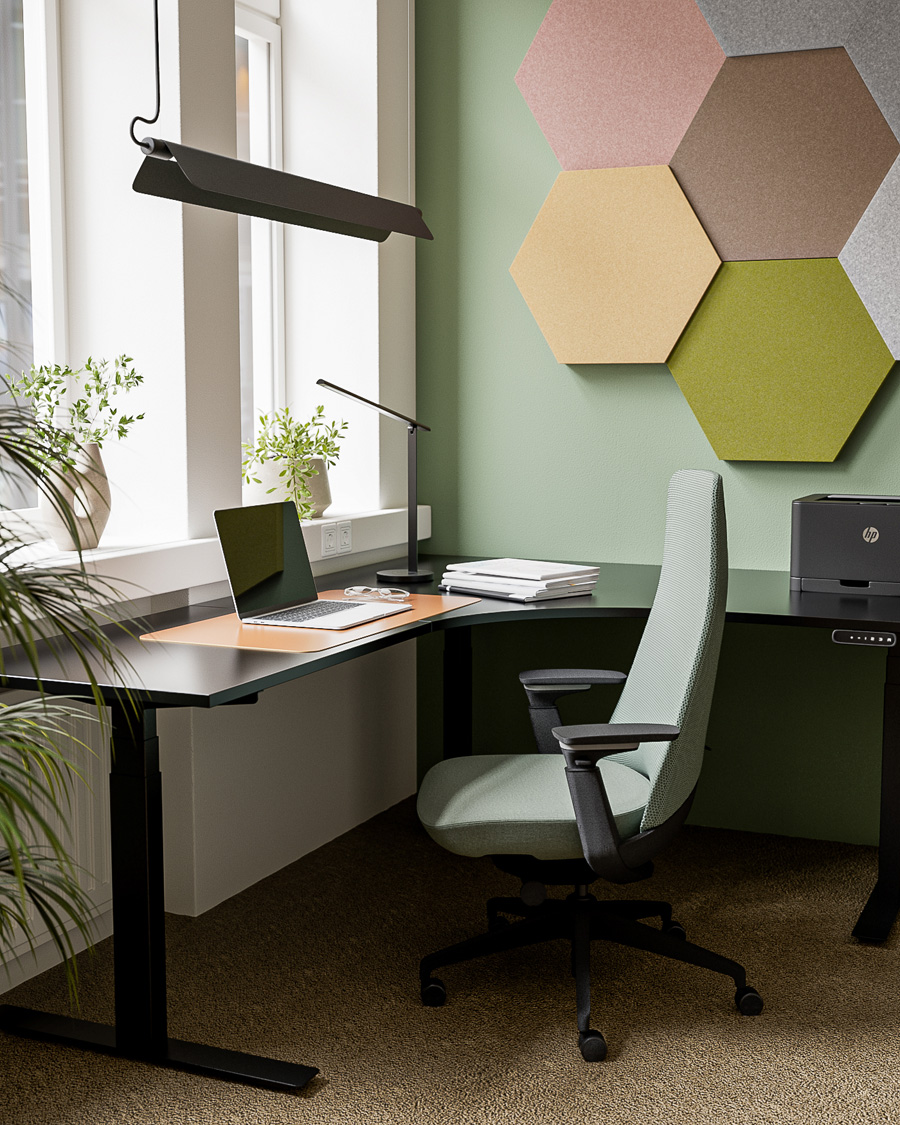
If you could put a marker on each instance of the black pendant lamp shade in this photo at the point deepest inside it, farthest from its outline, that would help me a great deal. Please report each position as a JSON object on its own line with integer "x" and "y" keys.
{"x": 190, "y": 175}
{"x": 206, "y": 179}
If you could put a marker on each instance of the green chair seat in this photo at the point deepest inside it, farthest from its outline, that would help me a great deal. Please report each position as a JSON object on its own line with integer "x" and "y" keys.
{"x": 519, "y": 804}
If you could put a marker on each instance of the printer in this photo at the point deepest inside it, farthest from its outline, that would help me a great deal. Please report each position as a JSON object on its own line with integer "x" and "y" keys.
{"x": 841, "y": 544}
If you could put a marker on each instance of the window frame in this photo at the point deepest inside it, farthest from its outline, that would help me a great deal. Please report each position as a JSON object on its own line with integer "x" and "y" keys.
{"x": 46, "y": 197}
{"x": 257, "y": 25}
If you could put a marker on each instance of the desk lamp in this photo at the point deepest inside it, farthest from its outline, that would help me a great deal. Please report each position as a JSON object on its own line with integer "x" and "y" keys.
{"x": 412, "y": 572}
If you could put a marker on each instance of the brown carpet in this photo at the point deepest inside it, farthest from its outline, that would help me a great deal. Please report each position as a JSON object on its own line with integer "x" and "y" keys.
{"x": 318, "y": 965}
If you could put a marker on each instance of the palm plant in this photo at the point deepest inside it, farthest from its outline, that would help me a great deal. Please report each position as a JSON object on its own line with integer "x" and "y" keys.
{"x": 41, "y": 611}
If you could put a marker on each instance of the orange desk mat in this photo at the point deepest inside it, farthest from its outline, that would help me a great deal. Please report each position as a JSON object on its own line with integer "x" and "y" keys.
{"x": 228, "y": 632}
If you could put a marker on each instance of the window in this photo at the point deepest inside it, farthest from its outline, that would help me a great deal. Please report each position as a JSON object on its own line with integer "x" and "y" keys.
{"x": 16, "y": 343}
{"x": 32, "y": 267}
{"x": 16, "y": 340}
{"x": 260, "y": 243}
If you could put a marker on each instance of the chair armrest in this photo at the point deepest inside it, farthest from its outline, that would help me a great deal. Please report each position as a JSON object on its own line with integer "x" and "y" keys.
{"x": 582, "y": 747}
{"x": 575, "y": 679}
{"x": 544, "y": 686}
{"x": 600, "y": 739}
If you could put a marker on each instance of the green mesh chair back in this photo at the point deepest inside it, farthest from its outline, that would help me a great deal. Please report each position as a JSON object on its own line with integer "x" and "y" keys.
{"x": 672, "y": 677}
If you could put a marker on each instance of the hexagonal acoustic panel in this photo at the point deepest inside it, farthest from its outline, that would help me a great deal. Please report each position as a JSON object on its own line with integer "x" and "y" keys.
{"x": 873, "y": 42}
{"x": 871, "y": 259}
{"x": 614, "y": 265}
{"x": 757, "y": 27}
{"x": 784, "y": 155}
{"x": 780, "y": 361}
{"x": 616, "y": 85}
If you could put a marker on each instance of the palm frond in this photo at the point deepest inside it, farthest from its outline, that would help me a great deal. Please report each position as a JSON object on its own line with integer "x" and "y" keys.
{"x": 46, "y": 615}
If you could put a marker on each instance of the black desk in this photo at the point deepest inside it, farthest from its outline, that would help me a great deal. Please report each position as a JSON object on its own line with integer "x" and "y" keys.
{"x": 194, "y": 676}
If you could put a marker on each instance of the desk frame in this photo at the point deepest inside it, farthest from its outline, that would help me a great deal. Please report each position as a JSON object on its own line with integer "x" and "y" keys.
{"x": 140, "y": 1030}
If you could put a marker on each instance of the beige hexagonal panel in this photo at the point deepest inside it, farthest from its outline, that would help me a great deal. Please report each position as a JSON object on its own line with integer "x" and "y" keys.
{"x": 614, "y": 265}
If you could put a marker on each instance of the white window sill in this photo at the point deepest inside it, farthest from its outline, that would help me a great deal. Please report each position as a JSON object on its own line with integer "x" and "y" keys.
{"x": 148, "y": 570}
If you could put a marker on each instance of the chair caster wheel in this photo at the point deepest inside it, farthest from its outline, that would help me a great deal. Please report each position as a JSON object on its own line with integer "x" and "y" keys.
{"x": 592, "y": 1045}
{"x": 434, "y": 993}
{"x": 749, "y": 1001}
{"x": 675, "y": 929}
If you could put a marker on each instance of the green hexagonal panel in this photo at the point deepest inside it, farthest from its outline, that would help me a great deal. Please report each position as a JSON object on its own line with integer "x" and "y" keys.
{"x": 780, "y": 360}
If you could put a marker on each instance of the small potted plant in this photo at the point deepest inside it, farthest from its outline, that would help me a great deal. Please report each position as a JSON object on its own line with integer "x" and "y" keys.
{"x": 80, "y": 409}
{"x": 300, "y": 453}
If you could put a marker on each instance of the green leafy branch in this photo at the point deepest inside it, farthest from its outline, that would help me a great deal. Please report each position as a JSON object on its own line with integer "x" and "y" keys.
{"x": 79, "y": 406}
{"x": 292, "y": 444}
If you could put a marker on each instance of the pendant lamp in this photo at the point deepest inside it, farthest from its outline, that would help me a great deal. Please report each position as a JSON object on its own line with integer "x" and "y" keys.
{"x": 206, "y": 179}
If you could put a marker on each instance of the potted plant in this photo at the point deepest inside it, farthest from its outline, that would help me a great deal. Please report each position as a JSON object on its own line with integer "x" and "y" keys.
{"x": 77, "y": 411}
{"x": 300, "y": 453}
{"x": 38, "y": 882}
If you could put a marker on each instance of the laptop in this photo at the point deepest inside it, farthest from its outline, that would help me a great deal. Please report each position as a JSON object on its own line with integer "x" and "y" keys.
{"x": 270, "y": 577}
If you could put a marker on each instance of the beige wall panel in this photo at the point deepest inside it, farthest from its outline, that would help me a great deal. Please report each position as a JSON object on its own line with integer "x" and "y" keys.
{"x": 614, "y": 265}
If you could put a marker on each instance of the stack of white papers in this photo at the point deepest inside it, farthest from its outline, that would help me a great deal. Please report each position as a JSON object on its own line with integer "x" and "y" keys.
{"x": 520, "y": 580}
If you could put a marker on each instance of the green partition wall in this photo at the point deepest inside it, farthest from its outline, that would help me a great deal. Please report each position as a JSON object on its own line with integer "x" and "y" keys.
{"x": 538, "y": 459}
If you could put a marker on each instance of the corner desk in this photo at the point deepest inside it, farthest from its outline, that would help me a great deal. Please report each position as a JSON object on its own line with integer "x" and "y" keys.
{"x": 196, "y": 676}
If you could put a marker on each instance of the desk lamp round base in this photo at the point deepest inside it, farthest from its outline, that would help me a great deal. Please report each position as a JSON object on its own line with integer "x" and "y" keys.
{"x": 405, "y": 575}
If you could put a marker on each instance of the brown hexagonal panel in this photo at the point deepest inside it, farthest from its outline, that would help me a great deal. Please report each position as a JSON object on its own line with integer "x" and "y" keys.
{"x": 614, "y": 265}
{"x": 616, "y": 85}
{"x": 784, "y": 155}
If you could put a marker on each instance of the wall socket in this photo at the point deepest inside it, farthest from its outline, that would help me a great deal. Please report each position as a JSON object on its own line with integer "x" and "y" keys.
{"x": 329, "y": 539}
{"x": 344, "y": 537}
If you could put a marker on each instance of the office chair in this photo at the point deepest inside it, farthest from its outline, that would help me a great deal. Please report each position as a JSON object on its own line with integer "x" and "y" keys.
{"x": 599, "y": 801}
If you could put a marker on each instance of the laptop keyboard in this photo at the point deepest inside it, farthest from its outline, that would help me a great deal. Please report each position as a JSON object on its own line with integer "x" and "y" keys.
{"x": 307, "y": 612}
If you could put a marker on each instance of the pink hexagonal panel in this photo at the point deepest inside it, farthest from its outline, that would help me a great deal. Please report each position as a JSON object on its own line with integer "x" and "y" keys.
{"x": 616, "y": 84}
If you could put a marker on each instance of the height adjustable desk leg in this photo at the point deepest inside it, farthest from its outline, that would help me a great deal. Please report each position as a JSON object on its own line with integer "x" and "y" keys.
{"x": 140, "y": 940}
{"x": 880, "y": 912}
{"x": 458, "y": 692}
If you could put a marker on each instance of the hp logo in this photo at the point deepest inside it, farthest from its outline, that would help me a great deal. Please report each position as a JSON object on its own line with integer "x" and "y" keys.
{"x": 870, "y": 534}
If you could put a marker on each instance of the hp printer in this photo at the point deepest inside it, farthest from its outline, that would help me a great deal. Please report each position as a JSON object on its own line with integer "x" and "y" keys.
{"x": 841, "y": 544}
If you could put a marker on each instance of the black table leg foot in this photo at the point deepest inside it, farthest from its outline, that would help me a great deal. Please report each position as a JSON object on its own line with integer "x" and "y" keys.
{"x": 176, "y": 1054}
{"x": 879, "y": 913}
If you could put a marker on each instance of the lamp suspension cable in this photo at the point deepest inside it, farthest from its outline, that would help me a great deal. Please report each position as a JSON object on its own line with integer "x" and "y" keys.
{"x": 147, "y": 145}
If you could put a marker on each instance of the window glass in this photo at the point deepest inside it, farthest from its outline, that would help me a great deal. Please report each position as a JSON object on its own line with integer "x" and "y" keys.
{"x": 245, "y": 257}
{"x": 16, "y": 339}
{"x": 15, "y": 251}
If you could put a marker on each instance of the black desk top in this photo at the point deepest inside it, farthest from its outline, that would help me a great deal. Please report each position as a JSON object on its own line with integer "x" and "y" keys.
{"x": 199, "y": 676}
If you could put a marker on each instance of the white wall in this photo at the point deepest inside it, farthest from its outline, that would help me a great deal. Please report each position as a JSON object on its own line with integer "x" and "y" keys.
{"x": 268, "y": 782}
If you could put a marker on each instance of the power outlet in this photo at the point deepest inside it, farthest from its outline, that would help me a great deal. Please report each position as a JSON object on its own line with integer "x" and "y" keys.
{"x": 329, "y": 540}
{"x": 344, "y": 537}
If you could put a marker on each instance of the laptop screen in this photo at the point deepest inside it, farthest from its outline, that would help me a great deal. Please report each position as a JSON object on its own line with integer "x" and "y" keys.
{"x": 265, "y": 556}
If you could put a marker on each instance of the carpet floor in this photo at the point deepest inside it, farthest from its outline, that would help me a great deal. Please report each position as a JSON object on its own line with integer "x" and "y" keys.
{"x": 318, "y": 964}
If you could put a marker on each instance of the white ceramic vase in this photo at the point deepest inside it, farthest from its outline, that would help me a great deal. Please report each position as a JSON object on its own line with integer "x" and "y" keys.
{"x": 319, "y": 488}
{"x": 86, "y": 489}
{"x": 318, "y": 485}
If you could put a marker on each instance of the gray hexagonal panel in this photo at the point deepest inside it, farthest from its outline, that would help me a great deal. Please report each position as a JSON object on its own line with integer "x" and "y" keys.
{"x": 871, "y": 259}
{"x": 873, "y": 42}
{"x": 760, "y": 27}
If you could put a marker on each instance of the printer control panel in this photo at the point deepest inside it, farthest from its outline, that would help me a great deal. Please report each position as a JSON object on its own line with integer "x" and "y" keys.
{"x": 876, "y": 637}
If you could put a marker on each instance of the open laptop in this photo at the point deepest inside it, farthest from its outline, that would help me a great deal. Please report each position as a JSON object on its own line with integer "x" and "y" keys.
{"x": 270, "y": 576}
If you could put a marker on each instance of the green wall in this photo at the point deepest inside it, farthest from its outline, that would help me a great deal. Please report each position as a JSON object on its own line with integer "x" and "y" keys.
{"x": 532, "y": 458}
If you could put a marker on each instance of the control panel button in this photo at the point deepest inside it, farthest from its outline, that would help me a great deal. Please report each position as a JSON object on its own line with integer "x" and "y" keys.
{"x": 875, "y": 637}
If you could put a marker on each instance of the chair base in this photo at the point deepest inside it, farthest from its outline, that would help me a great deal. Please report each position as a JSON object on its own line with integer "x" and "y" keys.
{"x": 581, "y": 919}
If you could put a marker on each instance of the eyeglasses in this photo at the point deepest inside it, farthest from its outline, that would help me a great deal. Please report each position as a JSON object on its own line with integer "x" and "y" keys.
{"x": 386, "y": 593}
